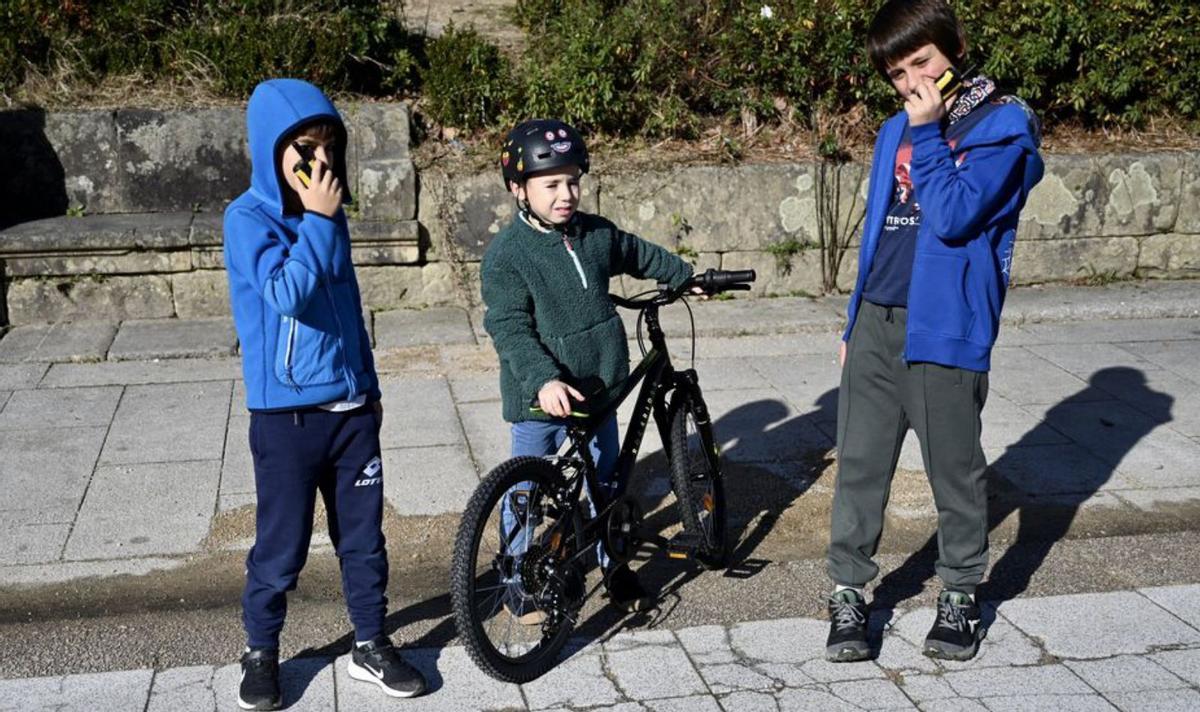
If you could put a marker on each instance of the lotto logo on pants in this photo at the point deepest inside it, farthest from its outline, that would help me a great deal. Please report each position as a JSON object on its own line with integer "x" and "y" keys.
{"x": 370, "y": 473}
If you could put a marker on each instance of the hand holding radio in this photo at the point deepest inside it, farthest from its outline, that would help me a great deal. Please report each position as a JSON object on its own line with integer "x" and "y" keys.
{"x": 925, "y": 105}
{"x": 320, "y": 190}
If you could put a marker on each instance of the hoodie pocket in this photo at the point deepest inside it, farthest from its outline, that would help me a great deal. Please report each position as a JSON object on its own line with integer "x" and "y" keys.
{"x": 307, "y": 354}
{"x": 938, "y": 303}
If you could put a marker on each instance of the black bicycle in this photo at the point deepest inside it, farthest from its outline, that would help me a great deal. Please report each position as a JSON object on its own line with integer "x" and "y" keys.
{"x": 529, "y": 533}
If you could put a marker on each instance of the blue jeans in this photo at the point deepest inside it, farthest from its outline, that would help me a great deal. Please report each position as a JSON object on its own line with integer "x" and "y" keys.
{"x": 539, "y": 438}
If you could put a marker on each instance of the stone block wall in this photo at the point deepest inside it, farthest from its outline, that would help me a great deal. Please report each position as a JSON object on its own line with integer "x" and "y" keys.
{"x": 117, "y": 214}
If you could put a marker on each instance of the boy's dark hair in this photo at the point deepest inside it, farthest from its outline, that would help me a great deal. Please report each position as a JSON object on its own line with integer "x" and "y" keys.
{"x": 901, "y": 27}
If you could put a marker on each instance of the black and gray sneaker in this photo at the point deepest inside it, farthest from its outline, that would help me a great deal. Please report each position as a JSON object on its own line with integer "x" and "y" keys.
{"x": 956, "y": 631}
{"x": 378, "y": 662}
{"x": 847, "y": 640}
{"x": 259, "y": 688}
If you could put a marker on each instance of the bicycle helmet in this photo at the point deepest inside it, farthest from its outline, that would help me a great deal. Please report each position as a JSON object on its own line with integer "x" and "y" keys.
{"x": 539, "y": 145}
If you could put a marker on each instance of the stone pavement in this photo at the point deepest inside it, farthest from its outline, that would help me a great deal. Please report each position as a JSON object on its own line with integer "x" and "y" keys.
{"x": 1125, "y": 650}
{"x": 123, "y": 451}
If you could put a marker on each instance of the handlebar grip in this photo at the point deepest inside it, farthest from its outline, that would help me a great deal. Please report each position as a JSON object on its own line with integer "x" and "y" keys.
{"x": 715, "y": 280}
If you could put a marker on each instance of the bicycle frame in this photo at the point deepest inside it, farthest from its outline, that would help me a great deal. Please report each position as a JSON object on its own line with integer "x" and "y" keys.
{"x": 657, "y": 377}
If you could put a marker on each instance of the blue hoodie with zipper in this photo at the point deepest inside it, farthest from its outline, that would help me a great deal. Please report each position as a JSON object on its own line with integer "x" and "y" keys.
{"x": 971, "y": 196}
{"x": 292, "y": 287}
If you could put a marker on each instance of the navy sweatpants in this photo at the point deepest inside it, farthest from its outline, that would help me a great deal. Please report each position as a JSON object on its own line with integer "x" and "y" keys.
{"x": 296, "y": 454}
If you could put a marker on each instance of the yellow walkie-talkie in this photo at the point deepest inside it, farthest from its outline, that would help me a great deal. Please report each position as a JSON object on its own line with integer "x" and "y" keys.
{"x": 308, "y": 161}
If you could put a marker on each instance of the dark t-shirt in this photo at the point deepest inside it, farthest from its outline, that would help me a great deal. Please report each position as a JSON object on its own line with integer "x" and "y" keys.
{"x": 891, "y": 270}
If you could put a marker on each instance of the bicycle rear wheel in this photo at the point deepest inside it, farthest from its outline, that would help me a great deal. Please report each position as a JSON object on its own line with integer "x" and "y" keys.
{"x": 515, "y": 582}
{"x": 696, "y": 478}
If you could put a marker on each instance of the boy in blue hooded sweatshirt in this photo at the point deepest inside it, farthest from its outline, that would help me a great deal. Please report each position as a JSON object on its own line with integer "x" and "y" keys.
{"x": 948, "y": 179}
{"x": 311, "y": 386}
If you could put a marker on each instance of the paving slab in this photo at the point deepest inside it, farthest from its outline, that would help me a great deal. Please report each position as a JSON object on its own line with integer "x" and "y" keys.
{"x": 188, "y": 688}
{"x": 1105, "y": 331}
{"x": 1085, "y": 360}
{"x": 578, "y": 681}
{"x": 1184, "y": 663}
{"x": 1157, "y": 701}
{"x": 418, "y": 412}
{"x": 169, "y": 423}
{"x": 74, "y": 408}
{"x": 1005, "y": 681}
{"x": 1183, "y": 601}
{"x": 1125, "y": 674}
{"x": 19, "y": 376}
{"x": 1179, "y": 357}
{"x": 403, "y": 328}
{"x": 796, "y": 642}
{"x": 130, "y": 373}
{"x": 1131, "y": 441}
{"x": 63, "y": 572}
{"x": 428, "y": 480}
{"x": 1024, "y": 378}
{"x": 1158, "y": 393}
{"x": 126, "y": 690}
{"x": 1073, "y": 470}
{"x": 1057, "y": 620}
{"x": 813, "y": 700}
{"x": 758, "y": 426}
{"x": 44, "y": 472}
{"x": 147, "y": 339}
{"x": 1050, "y": 701}
{"x": 237, "y": 465}
{"x": 475, "y": 387}
{"x": 31, "y": 543}
{"x": 175, "y": 502}
{"x": 488, "y": 436}
{"x": 65, "y": 341}
{"x": 872, "y": 694}
{"x": 651, "y": 670}
{"x": 808, "y": 381}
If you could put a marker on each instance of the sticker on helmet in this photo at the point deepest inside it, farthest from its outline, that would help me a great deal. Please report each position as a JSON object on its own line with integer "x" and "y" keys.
{"x": 561, "y": 146}
{"x": 562, "y": 133}
{"x": 505, "y": 159}
{"x": 520, "y": 166}
{"x": 549, "y": 135}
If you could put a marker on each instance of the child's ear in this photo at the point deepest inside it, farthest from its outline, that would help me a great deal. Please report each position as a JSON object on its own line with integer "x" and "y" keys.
{"x": 517, "y": 189}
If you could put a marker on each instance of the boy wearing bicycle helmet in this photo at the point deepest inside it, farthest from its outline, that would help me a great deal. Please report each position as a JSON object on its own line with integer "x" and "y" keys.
{"x": 950, "y": 175}
{"x": 545, "y": 281}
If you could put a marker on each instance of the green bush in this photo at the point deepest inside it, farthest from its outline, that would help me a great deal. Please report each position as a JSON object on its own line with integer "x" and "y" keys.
{"x": 343, "y": 45}
{"x": 468, "y": 82}
{"x": 626, "y": 67}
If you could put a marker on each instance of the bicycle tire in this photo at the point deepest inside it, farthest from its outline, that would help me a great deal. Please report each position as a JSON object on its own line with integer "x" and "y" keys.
{"x": 464, "y": 574}
{"x": 690, "y": 451}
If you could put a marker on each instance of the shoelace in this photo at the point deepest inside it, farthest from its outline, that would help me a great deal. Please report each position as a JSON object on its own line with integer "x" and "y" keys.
{"x": 846, "y": 615}
{"x": 951, "y": 616}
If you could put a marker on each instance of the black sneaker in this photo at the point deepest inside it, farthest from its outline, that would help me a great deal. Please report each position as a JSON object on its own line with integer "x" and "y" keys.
{"x": 380, "y": 663}
{"x": 956, "y": 631}
{"x": 259, "y": 688}
{"x": 625, "y": 590}
{"x": 847, "y": 641}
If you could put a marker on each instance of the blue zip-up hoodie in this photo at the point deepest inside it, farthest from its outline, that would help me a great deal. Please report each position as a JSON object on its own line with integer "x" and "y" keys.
{"x": 970, "y": 197}
{"x": 292, "y": 288}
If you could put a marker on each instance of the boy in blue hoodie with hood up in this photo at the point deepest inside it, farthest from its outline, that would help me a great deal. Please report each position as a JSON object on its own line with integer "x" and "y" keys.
{"x": 311, "y": 386}
{"x": 948, "y": 180}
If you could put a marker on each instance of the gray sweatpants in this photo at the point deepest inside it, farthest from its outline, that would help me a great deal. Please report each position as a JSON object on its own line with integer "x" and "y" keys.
{"x": 881, "y": 397}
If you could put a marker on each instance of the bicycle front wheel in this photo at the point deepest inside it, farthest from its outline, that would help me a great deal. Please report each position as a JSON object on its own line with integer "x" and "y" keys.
{"x": 515, "y": 580}
{"x": 696, "y": 478}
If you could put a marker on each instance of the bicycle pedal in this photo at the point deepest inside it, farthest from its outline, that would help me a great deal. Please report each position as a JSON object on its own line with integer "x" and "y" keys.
{"x": 684, "y": 545}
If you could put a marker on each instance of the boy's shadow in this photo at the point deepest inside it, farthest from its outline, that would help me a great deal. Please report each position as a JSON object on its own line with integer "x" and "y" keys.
{"x": 1046, "y": 495}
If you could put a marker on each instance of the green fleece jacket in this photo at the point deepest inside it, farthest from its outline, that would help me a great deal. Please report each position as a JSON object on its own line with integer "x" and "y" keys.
{"x": 548, "y": 309}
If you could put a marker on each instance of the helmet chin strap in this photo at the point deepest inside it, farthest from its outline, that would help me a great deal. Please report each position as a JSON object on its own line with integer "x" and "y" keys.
{"x": 532, "y": 217}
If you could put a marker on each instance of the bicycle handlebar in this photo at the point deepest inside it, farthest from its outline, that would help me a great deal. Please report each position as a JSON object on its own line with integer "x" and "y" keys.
{"x": 712, "y": 281}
